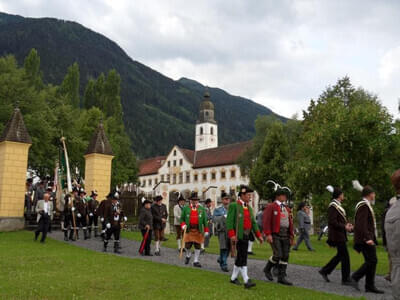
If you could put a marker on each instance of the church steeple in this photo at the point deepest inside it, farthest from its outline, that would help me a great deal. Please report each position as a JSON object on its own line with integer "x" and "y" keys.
{"x": 206, "y": 127}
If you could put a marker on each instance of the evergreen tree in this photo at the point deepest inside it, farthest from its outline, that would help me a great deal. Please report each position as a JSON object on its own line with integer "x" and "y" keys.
{"x": 32, "y": 68}
{"x": 70, "y": 85}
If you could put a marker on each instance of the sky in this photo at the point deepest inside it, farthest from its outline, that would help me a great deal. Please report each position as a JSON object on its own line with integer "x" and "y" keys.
{"x": 278, "y": 53}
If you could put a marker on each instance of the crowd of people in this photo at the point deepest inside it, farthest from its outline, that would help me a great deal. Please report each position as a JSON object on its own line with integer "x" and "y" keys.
{"x": 236, "y": 227}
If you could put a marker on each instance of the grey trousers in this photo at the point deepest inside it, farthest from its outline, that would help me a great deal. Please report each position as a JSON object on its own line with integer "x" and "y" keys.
{"x": 395, "y": 277}
{"x": 306, "y": 237}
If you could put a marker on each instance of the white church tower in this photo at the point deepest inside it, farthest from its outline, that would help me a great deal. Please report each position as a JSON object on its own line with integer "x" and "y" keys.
{"x": 206, "y": 127}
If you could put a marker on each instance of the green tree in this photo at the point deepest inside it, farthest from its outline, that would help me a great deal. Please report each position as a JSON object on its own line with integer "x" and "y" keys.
{"x": 347, "y": 134}
{"x": 90, "y": 95}
{"x": 70, "y": 85}
{"x": 271, "y": 163}
{"x": 32, "y": 69}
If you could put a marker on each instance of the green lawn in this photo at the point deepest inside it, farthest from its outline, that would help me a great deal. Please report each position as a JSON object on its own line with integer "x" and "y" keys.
{"x": 55, "y": 270}
{"x": 302, "y": 256}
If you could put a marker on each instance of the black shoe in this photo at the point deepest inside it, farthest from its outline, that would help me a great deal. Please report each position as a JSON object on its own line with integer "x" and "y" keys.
{"x": 157, "y": 253}
{"x": 324, "y": 276}
{"x": 250, "y": 253}
{"x": 41, "y": 241}
{"x": 311, "y": 250}
{"x": 267, "y": 271}
{"x": 355, "y": 284}
{"x": 197, "y": 265}
{"x": 202, "y": 251}
{"x": 373, "y": 289}
{"x": 236, "y": 281}
{"x": 295, "y": 249}
{"x": 148, "y": 254}
{"x": 187, "y": 260}
{"x": 351, "y": 283}
{"x": 116, "y": 250}
{"x": 218, "y": 260}
{"x": 104, "y": 249}
{"x": 224, "y": 269}
{"x": 282, "y": 275}
{"x": 249, "y": 284}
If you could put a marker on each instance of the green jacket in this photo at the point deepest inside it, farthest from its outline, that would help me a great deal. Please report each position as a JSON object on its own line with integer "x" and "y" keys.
{"x": 185, "y": 217}
{"x": 231, "y": 219}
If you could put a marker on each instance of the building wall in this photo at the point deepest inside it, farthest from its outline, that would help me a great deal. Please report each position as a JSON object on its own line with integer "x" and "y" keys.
{"x": 13, "y": 166}
{"x": 221, "y": 183}
{"x": 209, "y": 138}
{"x": 98, "y": 174}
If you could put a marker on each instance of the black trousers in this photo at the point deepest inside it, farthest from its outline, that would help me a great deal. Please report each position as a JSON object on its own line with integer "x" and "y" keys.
{"x": 93, "y": 220}
{"x": 342, "y": 256}
{"x": 43, "y": 227}
{"x": 81, "y": 222}
{"x": 280, "y": 248}
{"x": 241, "y": 252}
{"x": 114, "y": 230}
{"x": 148, "y": 241}
{"x": 368, "y": 268}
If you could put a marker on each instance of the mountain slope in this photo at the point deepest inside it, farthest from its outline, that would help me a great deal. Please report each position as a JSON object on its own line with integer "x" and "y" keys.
{"x": 158, "y": 111}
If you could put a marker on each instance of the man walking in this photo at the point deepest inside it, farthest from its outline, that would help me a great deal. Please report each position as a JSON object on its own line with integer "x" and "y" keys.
{"x": 209, "y": 222}
{"x": 240, "y": 224}
{"x": 219, "y": 219}
{"x": 146, "y": 225}
{"x": 337, "y": 237}
{"x": 278, "y": 228}
{"x": 92, "y": 206}
{"x": 304, "y": 220}
{"x": 365, "y": 240}
{"x": 113, "y": 216}
{"x": 392, "y": 229}
{"x": 160, "y": 216}
{"x": 44, "y": 210}
{"x": 194, "y": 222}
{"x": 177, "y": 220}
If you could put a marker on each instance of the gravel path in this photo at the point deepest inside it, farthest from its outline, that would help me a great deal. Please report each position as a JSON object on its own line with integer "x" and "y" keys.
{"x": 301, "y": 276}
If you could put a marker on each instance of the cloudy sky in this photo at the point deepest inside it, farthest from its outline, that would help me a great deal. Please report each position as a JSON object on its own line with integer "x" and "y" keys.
{"x": 278, "y": 53}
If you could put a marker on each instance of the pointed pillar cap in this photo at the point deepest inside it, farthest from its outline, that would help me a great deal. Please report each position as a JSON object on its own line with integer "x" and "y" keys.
{"x": 15, "y": 130}
{"x": 99, "y": 142}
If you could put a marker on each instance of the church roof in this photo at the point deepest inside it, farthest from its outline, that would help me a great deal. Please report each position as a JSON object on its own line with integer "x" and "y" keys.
{"x": 99, "y": 142}
{"x": 220, "y": 156}
{"x": 151, "y": 165}
{"x": 15, "y": 130}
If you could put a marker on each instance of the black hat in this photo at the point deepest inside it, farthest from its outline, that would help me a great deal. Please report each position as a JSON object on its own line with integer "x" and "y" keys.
{"x": 336, "y": 193}
{"x": 75, "y": 189}
{"x": 225, "y": 195}
{"x": 82, "y": 191}
{"x": 367, "y": 190}
{"x": 94, "y": 193}
{"x": 115, "y": 195}
{"x": 244, "y": 189}
{"x": 50, "y": 183}
{"x": 193, "y": 196}
{"x": 144, "y": 201}
{"x": 181, "y": 198}
{"x": 158, "y": 198}
{"x": 49, "y": 189}
{"x": 208, "y": 201}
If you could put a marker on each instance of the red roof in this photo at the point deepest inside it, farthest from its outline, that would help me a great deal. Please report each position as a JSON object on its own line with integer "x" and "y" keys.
{"x": 224, "y": 155}
{"x": 220, "y": 156}
{"x": 151, "y": 165}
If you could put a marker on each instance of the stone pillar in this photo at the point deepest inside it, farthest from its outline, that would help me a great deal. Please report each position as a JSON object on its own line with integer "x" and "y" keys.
{"x": 98, "y": 162}
{"x": 14, "y": 146}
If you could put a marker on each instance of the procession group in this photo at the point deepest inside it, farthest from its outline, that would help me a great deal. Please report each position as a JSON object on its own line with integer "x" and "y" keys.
{"x": 235, "y": 224}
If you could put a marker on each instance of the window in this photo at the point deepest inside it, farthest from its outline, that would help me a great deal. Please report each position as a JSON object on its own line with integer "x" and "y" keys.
{"x": 168, "y": 178}
{"x": 201, "y": 130}
{"x": 223, "y": 174}
{"x": 149, "y": 182}
{"x": 174, "y": 152}
{"x": 232, "y": 192}
{"x": 233, "y": 173}
{"x": 187, "y": 177}
{"x": 181, "y": 162}
{"x": 174, "y": 179}
{"x": 195, "y": 177}
{"x": 162, "y": 177}
{"x": 181, "y": 177}
{"x": 213, "y": 176}
{"x": 156, "y": 181}
{"x": 174, "y": 163}
{"x": 144, "y": 183}
{"x": 212, "y": 130}
{"x": 169, "y": 164}
{"x": 204, "y": 176}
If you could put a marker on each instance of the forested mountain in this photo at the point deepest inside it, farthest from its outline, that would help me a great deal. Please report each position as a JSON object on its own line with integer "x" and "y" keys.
{"x": 157, "y": 111}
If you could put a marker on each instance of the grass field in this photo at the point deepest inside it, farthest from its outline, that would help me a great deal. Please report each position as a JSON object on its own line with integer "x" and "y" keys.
{"x": 55, "y": 270}
{"x": 302, "y": 256}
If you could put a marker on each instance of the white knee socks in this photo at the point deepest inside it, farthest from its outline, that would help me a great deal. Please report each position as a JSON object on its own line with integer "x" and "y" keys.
{"x": 196, "y": 255}
{"x": 243, "y": 271}
{"x": 157, "y": 246}
{"x": 179, "y": 243}
{"x": 235, "y": 272}
{"x": 250, "y": 247}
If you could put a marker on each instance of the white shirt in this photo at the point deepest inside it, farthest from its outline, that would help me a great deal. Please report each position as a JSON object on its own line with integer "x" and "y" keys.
{"x": 46, "y": 207}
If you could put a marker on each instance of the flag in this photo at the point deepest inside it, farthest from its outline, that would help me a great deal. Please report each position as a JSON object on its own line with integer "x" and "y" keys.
{"x": 64, "y": 171}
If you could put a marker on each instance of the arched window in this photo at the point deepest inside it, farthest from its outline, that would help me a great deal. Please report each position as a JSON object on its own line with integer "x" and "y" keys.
{"x": 212, "y": 130}
{"x": 201, "y": 130}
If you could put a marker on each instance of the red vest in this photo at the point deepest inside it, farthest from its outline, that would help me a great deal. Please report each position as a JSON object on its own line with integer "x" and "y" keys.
{"x": 272, "y": 219}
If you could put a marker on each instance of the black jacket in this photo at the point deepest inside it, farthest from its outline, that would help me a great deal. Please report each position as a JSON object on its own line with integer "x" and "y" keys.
{"x": 159, "y": 212}
{"x": 336, "y": 227}
{"x": 145, "y": 218}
